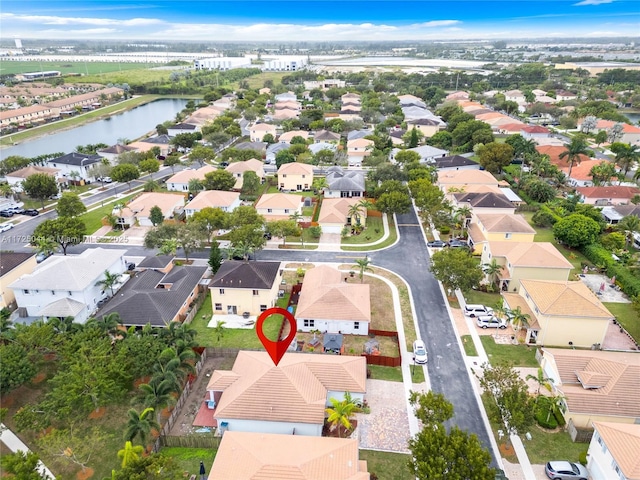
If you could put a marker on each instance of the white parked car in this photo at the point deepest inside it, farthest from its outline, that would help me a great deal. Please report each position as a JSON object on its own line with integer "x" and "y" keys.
{"x": 419, "y": 352}
{"x": 5, "y": 227}
{"x": 475, "y": 310}
{"x": 491, "y": 321}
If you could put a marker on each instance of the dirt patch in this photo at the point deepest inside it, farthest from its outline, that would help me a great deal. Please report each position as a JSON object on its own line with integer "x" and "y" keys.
{"x": 339, "y": 431}
{"x": 140, "y": 381}
{"x": 98, "y": 413}
{"x": 506, "y": 450}
{"x": 84, "y": 474}
{"x": 39, "y": 378}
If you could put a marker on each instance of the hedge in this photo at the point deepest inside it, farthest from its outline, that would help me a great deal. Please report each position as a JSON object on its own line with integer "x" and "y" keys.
{"x": 542, "y": 416}
{"x": 598, "y": 255}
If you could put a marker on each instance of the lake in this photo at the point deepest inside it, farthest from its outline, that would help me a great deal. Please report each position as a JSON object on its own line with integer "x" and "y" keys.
{"x": 130, "y": 124}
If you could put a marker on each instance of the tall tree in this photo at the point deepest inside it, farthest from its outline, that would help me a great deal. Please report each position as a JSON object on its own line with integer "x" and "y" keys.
{"x": 495, "y": 156}
{"x": 22, "y": 466}
{"x": 574, "y": 151}
{"x": 219, "y": 180}
{"x": 157, "y": 394}
{"x": 627, "y": 156}
{"x": 191, "y": 237}
{"x": 65, "y": 231}
{"x": 109, "y": 280}
{"x": 215, "y": 257}
{"x": 250, "y": 183}
{"x": 629, "y": 225}
{"x": 140, "y": 425}
{"x": 456, "y": 269}
{"x": 541, "y": 380}
{"x": 125, "y": 172}
{"x": 40, "y": 186}
{"x": 155, "y": 216}
{"x": 70, "y": 205}
{"x": 211, "y": 219}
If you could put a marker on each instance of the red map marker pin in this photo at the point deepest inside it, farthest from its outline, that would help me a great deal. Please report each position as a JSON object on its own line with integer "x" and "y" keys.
{"x": 276, "y": 349}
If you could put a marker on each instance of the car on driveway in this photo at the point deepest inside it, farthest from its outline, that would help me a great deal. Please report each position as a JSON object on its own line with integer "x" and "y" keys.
{"x": 564, "y": 470}
{"x": 457, "y": 244}
{"x": 104, "y": 179}
{"x": 6, "y": 213}
{"x": 419, "y": 352}
{"x": 5, "y": 227}
{"x": 436, "y": 244}
{"x": 491, "y": 321}
{"x": 473, "y": 310}
{"x": 32, "y": 212}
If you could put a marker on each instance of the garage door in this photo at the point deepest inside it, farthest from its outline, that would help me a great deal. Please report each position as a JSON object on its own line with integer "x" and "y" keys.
{"x": 331, "y": 228}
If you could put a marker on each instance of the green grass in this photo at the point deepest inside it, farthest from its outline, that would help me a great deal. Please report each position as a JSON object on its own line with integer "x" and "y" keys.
{"x": 482, "y": 298}
{"x": 65, "y": 67}
{"x": 374, "y": 230}
{"x": 308, "y": 238}
{"x": 232, "y": 337}
{"x": 392, "y": 374}
{"x": 387, "y": 465}
{"x": 257, "y": 81}
{"x": 469, "y": 347}
{"x": 275, "y": 189}
{"x": 188, "y": 459}
{"x": 627, "y": 317}
{"x": 518, "y": 355}
{"x": 378, "y": 246}
{"x": 93, "y": 219}
{"x": 77, "y": 119}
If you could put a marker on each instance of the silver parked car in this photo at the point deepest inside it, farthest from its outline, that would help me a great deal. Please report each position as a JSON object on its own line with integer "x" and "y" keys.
{"x": 564, "y": 470}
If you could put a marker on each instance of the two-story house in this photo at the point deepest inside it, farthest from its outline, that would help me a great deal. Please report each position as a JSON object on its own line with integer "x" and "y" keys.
{"x": 239, "y": 168}
{"x": 13, "y": 265}
{"x": 67, "y": 286}
{"x": 279, "y": 206}
{"x": 259, "y": 130}
{"x": 180, "y": 181}
{"x": 295, "y": 177}
{"x": 491, "y": 227}
{"x": 240, "y": 287}
{"x": 75, "y": 166}
{"x": 344, "y": 184}
{"x": 613, "y": 451}
{"x": 138, "y": 210}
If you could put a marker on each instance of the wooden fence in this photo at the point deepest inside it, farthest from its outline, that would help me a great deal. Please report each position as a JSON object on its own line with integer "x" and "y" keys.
{"x": 384, "y": 360}
{"x": 190, "y": 441}
{"x": 197, "y": 303}
{"x": 579, "y": 435}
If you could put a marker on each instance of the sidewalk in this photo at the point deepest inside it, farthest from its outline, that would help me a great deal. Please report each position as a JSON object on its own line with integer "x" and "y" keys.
{"x": 15, "y": 445}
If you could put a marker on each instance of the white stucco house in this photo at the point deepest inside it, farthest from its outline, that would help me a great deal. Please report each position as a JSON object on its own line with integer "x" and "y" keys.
{"x": 75, "y": 163}
{"x": 65, "y": 286}
{"x": 290, "y": 398}
{"x": 225, "y": 201}
{"x": 611, "y": 451}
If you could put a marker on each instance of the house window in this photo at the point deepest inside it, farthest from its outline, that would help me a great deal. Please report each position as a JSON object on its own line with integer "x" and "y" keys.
{"x": 284, "y": 175}
{"x": 356, "y": 325}
{"x": 256, "y": 293}
{"x": 218, "y": 306}
{"x": 263, "y": 308}
{"x": 309, "y": 323}
{"x": 26, "y": 292}
{"x": 53, "y": 292}
{"x": 269, "y": 210}
{"x": 286, "y": 210}
{"x": 69, "y": 293}
{"x": 303, "y": 176}
{"x": 221, "y": 291}
{"x": 282, "y": 185}
{"x": 306, "y": 186}
{"x": 507, "y": 235}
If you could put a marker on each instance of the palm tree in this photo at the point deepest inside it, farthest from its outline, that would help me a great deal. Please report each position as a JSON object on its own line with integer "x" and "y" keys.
{"x": 157, "y": 394}
{"x": 195, "y": 185}
{"x": 151, "y": 186}
{"x": 45, "y": 245}
{"x": 219, "y": 329}
{"x": 519, "y": 318}
{"x": 140, "y": 425}
{"x": 341, "y": 412}
{"x": 363, "y": 265}
{"x": 130, "y": 453}
{"x": 556, "y": 403}
{"x": 541, "y": 381}
{"x": 169, "y": 247}
{"x": 240, "y": 249}
{"x": 65, "y": 325}
{"x": 627, "y": 157}
{"x": 108, "y": 324}
{"x": 492, "y": 270}
{"x": 574, "y": 150}
{"x": 181, "y": 334}
{"x": 354, "y": 213}
{"x": 629, "y": 225}
{"x": 109, "y": 281}
{"x": 296, "y": 217}
{"x": 462, "y": 214}
{"x": 6, "y": 190}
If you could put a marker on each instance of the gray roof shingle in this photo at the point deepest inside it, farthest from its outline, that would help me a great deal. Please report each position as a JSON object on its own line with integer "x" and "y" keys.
{"x": 253, "y": 275}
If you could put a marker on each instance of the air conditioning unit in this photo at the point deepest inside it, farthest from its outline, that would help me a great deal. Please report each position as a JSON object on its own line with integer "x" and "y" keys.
{"x": 280, "y": 293}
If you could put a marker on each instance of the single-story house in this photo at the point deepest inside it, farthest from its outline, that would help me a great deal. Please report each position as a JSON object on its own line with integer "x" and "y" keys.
{"x": 295, "y": 177}
{"x": 179, "y": 128}
{"x": 79, "y": 163}
{"x": 615, "y": 213}
{"x": 251, "y": 165}
{"x": 500, "y": 227}
{"x": 226, "y": 201}
{"x": 272, "y": 151}
{"x": 456, "y": 162}
{"x": 428, "y": 154}
{"x": 240, "y": 287}
{"x": 484, "y": 202}
{"x": 326, "y": 136}
{"x": 329, "y": 304}
{"x": 279, "y": 206}
{"x": 334, "y": 214}
{"x": 137, "y": 211}
{"x": 607, "y": 195}
{"x": 341, "y": 184}
{"x": 157, "y": 296}
{"x": 16, "y": 178}
{"x": 561, "y": 313}
{"x": 290, "y": 398}
{"x": 180, "y": 181}
{"x": 65, "y": 286}
{"x": 529, "y": 260}
{"x": 459, "y": 179}
{"x": 427, "y": 126}
{"x": 286, "y": 137}
{"x": 613, "y": 451}
{"x": 257, "y": 131}
{"x": 316, "y": 147}
{"x": 597, "y": 386}
{"x": 630, "y": 133}
{"x": 13, "y": 265}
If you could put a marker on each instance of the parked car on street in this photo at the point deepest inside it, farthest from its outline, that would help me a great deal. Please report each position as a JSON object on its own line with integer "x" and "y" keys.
{"x": 6, "y": 213}
{"x": 436, "y": 244}
{"x": 419, "y": 352}
{"x": 564, "y": 470}
{"x": 32, "y": 212}
{"x": 491, "y": 321}
{"x": 457, "y": 244}
{"x": 471, "y": 310}
{"x": 5, "y": 227}
{"x": 16, "y": 210}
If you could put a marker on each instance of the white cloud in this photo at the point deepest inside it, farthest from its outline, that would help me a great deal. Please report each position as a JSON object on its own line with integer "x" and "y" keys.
{"x": 56, "y": 20}
{"x": 592, "y": 2}
{"x": 436, "y": 23}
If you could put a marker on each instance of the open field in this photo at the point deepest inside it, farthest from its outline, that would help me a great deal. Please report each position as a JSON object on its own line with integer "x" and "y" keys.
{"x": 83, "y": 68}
{"x": 257, "y": 81}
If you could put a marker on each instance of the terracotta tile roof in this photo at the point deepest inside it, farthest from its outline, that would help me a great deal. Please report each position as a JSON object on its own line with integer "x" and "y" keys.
{"x": 252, "y": 275}
{"x": 32, "y": 170}
{"x": 295, "y": 168}
{"x": 326, "y": 296}
{"x": 262, "y": 127}
{"x": 466, "y": 177}
{"x": 626, "y": 128}
{"x": 554, "y": 152}
{"x": 565, "y": 299}
{"x": 294, "y": 391}
{"x": 582, "y": 170}
{"x": 504, "y": 223}
{"x": 492, "y": 115}
{"x": 185, "y": 175}
{"x": 618, "y": 397}
{"x": 623, "y": 442}
{"x": 359, "y": 142}
{"x": 611, "y": 191}
{"x": 530, "y": 254}
{"x": 279, "y": 201}
{"x": 535, "y": 129}
{"x": 288, "y": 136}
{"x": 253, "y": 456}
{"x": 334, "y": 210}
{"x": 221, "y": 379}
{"x": 514, "y": 300}
{"x": 213, "y": 198}
{"x": 146, "y": 201}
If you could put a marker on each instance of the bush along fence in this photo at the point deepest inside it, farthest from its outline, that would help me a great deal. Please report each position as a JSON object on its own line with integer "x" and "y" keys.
{"x": 601, "y": 257}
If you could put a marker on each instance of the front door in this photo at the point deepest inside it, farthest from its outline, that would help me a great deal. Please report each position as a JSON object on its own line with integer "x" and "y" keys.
{"x": 232, "y": 310}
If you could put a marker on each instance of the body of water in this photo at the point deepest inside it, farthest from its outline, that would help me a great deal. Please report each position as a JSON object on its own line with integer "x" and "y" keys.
{"x": 130, "y": 124}
{"x": 633, "y": 116}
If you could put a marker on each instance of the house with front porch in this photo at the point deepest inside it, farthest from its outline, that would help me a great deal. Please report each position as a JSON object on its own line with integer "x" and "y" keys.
{"x": 279, "y": 206}
{"x": 596, "y": 386}
{"x": 613, "y": 451}
{"x": 250, "y": 287}
{"x": 486, "y": 227}
{"x": 295, "y": 176}
{"x": 329, "y": 304}
{"x": 65, "y": 285}
{"x": 561, "y": 313}
{"x": 528, "y": 260}
{"x": 335, "y": 214}
{"x": 290, "y": 398}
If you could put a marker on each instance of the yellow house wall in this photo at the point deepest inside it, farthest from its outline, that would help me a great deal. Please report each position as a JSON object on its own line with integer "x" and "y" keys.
{"x": 6, "y": 294}
{"x": 581, "y": 420}
{"x": 501, "y": 237}
{"x": 290, "y": 182}
{"x": 582, "y": 331}
{"x": 531, "y": 273}
{"x": 428, "y": 130}
{"x": 244, "y": 299}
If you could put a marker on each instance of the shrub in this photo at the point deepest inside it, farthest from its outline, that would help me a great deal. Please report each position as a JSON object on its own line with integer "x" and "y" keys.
{"x": 444, "y": 230}
{"x": 544, "y": 218}
{"x": 598, "y": 255}
{"x": 582, "y": 458}
{"x": 541, "y": 413}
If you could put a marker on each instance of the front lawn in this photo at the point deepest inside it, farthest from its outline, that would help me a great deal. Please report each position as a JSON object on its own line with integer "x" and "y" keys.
{"x": 627, "y": 317}
{"x": 517, "y": 355}
{"x": 483, "y": 298}
{"x": 373, "y": 232}
{"x": 469, "y": 347}
{"x": 391, "y": 239}
{"x": 391, "y": 374}
{"x": 93, "y": 218}
{"x": 387, "y": 465}
{"x": 188, "y": 459}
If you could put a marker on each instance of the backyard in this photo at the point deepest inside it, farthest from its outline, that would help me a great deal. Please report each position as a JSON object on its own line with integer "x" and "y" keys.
{"x": 386, "y": 465}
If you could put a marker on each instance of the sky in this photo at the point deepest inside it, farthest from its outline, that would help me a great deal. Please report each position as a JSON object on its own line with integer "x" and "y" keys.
{"x": 301, "y": 20}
